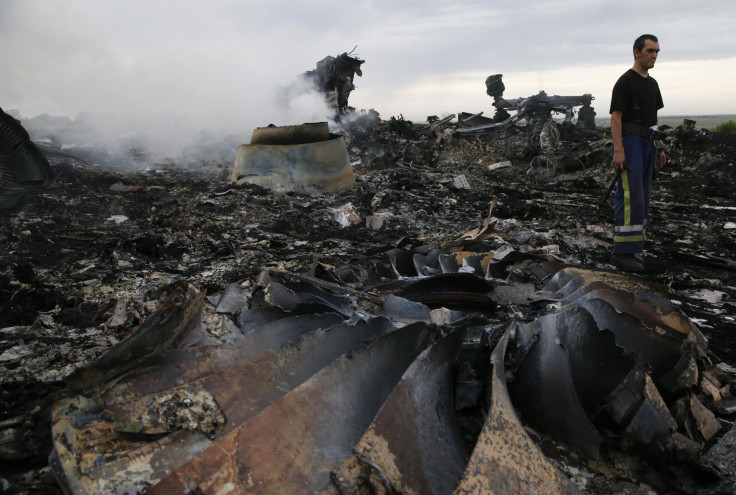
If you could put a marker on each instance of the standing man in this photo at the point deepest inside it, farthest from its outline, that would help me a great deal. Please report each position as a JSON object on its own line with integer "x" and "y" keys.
{"x": 634, "y": 104}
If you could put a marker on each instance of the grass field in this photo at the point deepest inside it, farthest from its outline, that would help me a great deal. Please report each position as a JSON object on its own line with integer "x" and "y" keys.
{"x": 709, "y": 122}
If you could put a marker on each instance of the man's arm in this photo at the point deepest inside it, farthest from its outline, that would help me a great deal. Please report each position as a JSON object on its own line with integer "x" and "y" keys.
{"x": 617, "y": 138}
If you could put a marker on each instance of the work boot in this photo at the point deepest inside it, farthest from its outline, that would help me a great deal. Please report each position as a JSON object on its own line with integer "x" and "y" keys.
{"x": 626, "y": 263}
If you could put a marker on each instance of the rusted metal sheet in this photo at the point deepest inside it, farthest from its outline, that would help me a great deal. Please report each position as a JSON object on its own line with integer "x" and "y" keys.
{"x": 505, "y": 460}
{"x": 131, "y": 409}
{"x": 414, "y": 444}
{"x": 646, "y": 300}
{"x": 291, "y": 134}
{"x": 292, "y": 446}
{"x": 303, "y": 168}
{"x": 637, "y": 328}
{"x": 192, "y": 363}
{"x": 179, "y": 314}
{"x": 91, "y": 457}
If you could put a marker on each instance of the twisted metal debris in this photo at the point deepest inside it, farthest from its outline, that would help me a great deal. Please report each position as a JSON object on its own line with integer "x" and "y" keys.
{"x": 311, "y": 393}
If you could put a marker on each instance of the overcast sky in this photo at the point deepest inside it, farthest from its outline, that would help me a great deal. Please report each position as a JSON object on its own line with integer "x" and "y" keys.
{"x": 217, "y": 62}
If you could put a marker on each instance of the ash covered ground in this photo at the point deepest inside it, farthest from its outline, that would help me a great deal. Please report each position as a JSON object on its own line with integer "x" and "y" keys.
{"x": 83, "y": 262}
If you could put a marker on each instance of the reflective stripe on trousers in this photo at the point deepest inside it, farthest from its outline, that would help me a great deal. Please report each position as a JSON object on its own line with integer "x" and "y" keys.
{"x": 633, "y": 191}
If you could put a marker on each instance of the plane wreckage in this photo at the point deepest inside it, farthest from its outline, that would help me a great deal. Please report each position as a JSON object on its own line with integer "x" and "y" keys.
{"x": 305, "y": 390}
{"x": 334, "y": 76}
{"x": 313, "y": 323}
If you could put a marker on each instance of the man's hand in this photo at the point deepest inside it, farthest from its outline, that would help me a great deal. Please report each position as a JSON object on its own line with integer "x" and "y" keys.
{"x": 661, "y": 158}
{"x": 619, "y": 159}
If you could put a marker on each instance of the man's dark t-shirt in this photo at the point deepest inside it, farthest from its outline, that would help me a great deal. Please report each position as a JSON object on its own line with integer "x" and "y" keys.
{"x": 649, "y": 97}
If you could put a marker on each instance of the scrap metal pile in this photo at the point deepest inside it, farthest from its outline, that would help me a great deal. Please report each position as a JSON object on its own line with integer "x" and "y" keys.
{"x": 303, "y": 391}
{"x": 438, "y": 325}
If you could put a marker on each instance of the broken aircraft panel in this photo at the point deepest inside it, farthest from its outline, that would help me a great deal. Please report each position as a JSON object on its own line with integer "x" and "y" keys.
{"x": 505, "y": 459}
{"x": 414, "y": 444}
{"x": 279, "y": 159}
{"x": 291, "y": 446}
{"x": 601, "y": 356}
{"x": 156, "y": 419}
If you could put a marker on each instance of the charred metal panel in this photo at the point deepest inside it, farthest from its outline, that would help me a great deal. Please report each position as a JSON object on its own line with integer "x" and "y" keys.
{"x": 451, "y": 290}
{"x": 651, "y": 419}
{"x": 253, "y": 319}
{"x": 544, "y": 388}
{"x": 288, "y": 295}
{"x": 191, "y": 363}
{"x": 659, "y": 348}
{"x": 414, "y": 444}
{"x": 404, "y": 310}
{"x": 179, "y": 314}
{"x": 189, "y": 415}
{"x": 292, "y": 446}
{"x": 291, "y": 134}
{"x": 505, "y": 459}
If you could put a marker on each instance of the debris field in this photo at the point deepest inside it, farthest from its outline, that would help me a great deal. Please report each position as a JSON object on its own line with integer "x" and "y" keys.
{"x": 447, "y": 324}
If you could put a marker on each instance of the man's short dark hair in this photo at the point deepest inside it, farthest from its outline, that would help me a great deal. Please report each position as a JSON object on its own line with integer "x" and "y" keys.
{"x": 639, "y": 42}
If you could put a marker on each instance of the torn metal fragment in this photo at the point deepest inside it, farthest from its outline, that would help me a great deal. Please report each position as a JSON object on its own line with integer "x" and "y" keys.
{"x": 469, "y": 262}
{"x": 178, "y": 315}
{"x": 651, "y": 420}
{"x": 288, "y": 295}
{"x": 232, "y": 300}
{"x": 414, "y": 444}
{"x": 505, "y": 459}
{"x": 404, "y": 310}
{"x": 292, "y": 446}
{"x": 483, "y": 232}
{"x": 175, "y": 411}
{"x": 707, "y": 423}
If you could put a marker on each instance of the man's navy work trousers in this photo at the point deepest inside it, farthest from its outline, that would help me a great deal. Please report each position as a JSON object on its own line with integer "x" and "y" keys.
{"x": 633, "y": 191}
